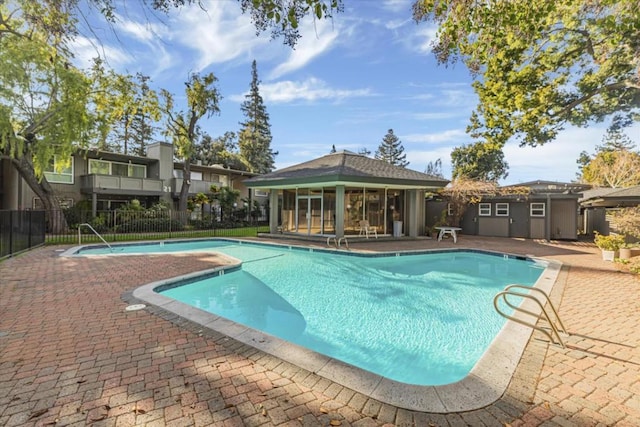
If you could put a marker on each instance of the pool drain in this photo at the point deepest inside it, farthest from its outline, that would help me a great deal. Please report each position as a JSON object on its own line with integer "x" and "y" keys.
{"x": 135, "y": 307}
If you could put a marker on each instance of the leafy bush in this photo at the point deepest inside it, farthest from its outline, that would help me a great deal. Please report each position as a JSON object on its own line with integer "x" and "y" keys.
{"x": 150, "y": 225}
{"x": 203, "y": 224}
{"x": 612, "y": 242}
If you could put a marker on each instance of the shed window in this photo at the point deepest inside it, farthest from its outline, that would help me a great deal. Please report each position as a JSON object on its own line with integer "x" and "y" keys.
{"x": 484, "y": 209}
{"x": 537, "y": 209}
{"x": 502, "y": 209}
{"x": 449, "y": 209}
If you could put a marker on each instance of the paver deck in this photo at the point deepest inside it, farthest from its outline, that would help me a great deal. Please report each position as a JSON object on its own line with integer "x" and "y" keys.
{"x": 71, "y": 355}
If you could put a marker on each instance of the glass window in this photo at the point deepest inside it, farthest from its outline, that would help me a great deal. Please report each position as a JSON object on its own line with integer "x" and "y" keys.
{"x": 449, "y": 209}
{"x": 138, "y": 171}
{"x": 119, "y": 169}
{"x": 502, "y": 209}
{"x": 260, "y": 193}
{"x": 196, "y": 176}
{"x": 484, "y": 209}
{"x": 99, "y": 167}
{"x": 537, "y": 209}
{"x": 60, "y": 172}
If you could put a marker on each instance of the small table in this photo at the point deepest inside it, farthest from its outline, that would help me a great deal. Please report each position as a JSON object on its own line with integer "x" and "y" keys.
{"x": 452, "y": 231}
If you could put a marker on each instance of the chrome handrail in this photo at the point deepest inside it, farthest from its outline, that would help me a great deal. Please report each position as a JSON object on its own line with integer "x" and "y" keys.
{"x": 543, "y": 293}
{"x": 94, "y": 231}
{"x": 503, "y": 294}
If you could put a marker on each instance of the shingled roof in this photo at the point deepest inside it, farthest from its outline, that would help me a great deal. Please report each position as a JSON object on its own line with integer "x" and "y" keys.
{"x": 345, "y": 167}
{"x": 611, "y": 196}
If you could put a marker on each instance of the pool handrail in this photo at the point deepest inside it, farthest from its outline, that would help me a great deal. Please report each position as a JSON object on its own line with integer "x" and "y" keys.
{"x": 94, "y": 231}
{"x": 503, "y": 294}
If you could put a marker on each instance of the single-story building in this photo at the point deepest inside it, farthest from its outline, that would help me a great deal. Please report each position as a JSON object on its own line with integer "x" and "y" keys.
{"x": 330, "y": 195}
{"x": 548, "y": 211}
{"x": 595, "y": 204}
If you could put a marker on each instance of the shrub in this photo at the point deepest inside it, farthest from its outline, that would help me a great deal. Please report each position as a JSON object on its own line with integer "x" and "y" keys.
{"x": 612, "y": 242}
{"x": 150, "y": 225}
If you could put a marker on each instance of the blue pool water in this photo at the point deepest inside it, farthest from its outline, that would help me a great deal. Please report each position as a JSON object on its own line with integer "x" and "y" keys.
{"x": 419, "y": 319}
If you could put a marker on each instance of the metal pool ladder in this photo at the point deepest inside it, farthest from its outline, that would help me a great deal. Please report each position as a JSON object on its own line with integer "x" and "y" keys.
{"x": 555, "y": 329}
{"x": 94, "y": 231}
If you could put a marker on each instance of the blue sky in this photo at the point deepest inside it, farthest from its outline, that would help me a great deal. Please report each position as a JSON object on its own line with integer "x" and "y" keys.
{"x": 347, "y": 82}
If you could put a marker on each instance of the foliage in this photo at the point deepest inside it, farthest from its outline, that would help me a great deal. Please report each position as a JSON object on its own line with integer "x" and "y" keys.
{"x": 144, "y": 224}
{"x": 614, "y": 164}
{"x": 434, "y": 169}
{"x": 613, "y": 169}
{"x": 120, "y": 103}
{"x": 222, "y": 150}
{"x": 462, "y": 192}
{"x": 611, "y": 242}
{"x": 135, "y": 129}
{"x": 479, "y": 161}
{"x": 182, "y": 127}
{"x": 227, "y": 198}
{"x": 364, "y": 151}
{"x": 541, "y": 64}
{"x": 43, "y": 98}
{"x": 627, "y": 221}
{"x": 391, "y": 150}
{"x": 255, "y": 133}
{"x": 283, "y": 18}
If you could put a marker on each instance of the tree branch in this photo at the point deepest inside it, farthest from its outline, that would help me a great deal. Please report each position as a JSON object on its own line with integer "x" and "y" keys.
{"x": 610, "y": 87}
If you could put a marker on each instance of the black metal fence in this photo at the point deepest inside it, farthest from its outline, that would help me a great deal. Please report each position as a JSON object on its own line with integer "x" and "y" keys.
{"x": 21, "y": 230}
{"x": 125, "y": 225}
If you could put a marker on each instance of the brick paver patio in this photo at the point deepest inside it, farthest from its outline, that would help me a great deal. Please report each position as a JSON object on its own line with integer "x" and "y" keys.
{"x": 71, "y": 355}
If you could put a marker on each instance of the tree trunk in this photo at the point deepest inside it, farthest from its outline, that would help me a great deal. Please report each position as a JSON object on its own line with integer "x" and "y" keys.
{"x": 184, "y": 190}
{"x": 57, "y": 223}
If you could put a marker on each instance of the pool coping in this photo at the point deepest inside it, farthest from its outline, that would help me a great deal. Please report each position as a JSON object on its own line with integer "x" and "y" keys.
{"x": 485, "y": 384}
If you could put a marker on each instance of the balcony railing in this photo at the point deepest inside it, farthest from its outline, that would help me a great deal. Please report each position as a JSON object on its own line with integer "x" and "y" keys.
{"x": 98, "y": 183}
{"x": 195, "y": 187}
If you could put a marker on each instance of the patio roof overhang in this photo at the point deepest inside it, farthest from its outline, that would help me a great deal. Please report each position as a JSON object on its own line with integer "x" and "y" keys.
{"x": 352, "y": 181}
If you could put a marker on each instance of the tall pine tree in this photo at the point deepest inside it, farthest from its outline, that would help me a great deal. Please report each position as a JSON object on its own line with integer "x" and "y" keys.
{"x": 254, "y": 138}
{"x": 391, "y": 150}
{"x": 142, "y": 122}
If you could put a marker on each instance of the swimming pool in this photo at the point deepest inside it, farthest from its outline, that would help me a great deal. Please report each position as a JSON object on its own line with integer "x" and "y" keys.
{"x": 410, "y": 319}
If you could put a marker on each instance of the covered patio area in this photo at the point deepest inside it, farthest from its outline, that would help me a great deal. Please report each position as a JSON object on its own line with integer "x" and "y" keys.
{"x": 344, "y": 193}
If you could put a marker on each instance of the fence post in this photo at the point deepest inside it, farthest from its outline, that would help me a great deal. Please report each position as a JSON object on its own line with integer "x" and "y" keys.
{"x": 11, "y": 232}
{"x": 170, "y": 217}
{"x": 30, "y": 220}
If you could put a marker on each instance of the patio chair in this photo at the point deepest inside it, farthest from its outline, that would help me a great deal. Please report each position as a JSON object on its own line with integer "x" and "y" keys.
{"x": 366, "y": 229}
{"x": 283, "y": 227}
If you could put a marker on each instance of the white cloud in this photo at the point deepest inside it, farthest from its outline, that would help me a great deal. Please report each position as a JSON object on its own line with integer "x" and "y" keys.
{"x": 394, "y": 24}
{"x": 437, "y": 116}
{"x": 420, "y": 158}
{"x": 318, "y": 37}
{"x": 422, "y": 38}
{"x": 397, "y": 5}
{"x": 145, "y": 33}
{"x": 86, "y": 49}
{"x": 220, "y": 34}
{"x": 312, "y": 89}
{"x": 452, "y": 135}
{"x": 554, "y": 161}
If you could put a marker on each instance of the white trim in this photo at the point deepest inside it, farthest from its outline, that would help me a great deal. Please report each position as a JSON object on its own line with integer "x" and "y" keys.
{"x": 540, "y": 207}
{"x": 484, "y": 206}
{"x": 501, "y": 207}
